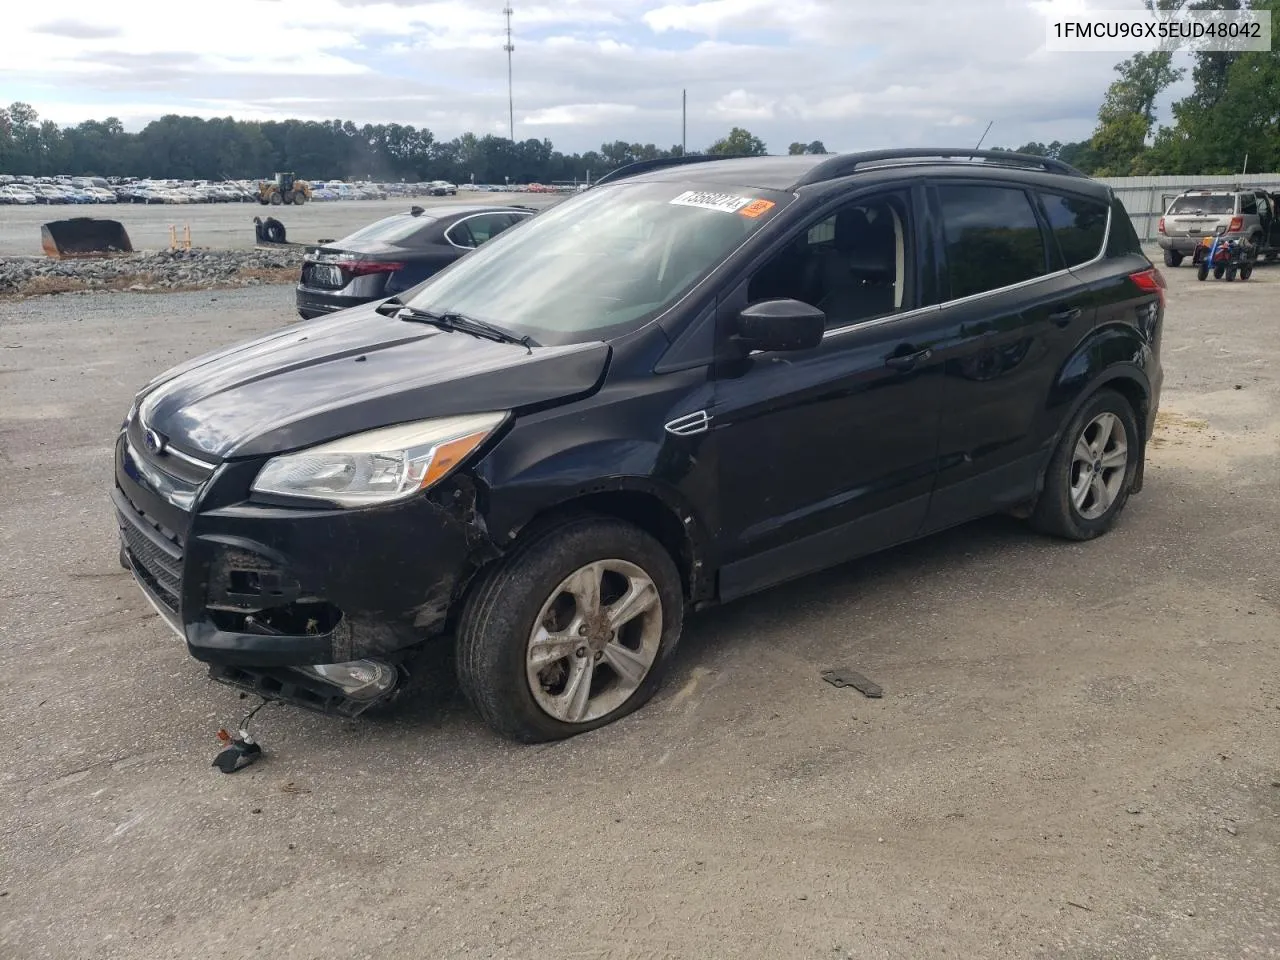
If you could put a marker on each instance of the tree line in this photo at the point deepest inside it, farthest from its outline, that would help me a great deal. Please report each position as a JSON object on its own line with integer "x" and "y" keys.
{"x": 193, "y": 148}
{"x": 1233, "y": 113}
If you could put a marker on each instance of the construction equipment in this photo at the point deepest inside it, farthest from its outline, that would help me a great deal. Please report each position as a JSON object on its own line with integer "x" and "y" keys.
{"x": 286, "y": 188}
{"x": 84, "y": 237}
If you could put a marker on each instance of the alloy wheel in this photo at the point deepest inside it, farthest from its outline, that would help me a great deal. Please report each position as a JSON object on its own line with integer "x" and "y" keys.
{"x": 1099, "y": 465}
{"x": 594, "y": 641}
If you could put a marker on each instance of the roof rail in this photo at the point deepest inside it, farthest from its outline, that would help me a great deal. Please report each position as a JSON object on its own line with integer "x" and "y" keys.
{"x": 644, "y": 166}
{"x": 842, "y": 165}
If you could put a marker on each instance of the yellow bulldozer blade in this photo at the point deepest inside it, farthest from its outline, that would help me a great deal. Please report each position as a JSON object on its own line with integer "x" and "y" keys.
{"x": 84, "y": 237}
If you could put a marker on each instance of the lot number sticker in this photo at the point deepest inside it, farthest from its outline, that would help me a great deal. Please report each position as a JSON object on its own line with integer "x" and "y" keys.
{"x": 724, "y": 202}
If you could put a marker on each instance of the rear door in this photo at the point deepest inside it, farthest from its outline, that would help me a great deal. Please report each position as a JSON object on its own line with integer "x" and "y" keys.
{"x": 1012, "y": 312}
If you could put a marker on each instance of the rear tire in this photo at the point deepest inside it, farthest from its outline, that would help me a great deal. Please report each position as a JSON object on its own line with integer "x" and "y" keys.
{"x": 1230, "y": 273}
{"x": 1091, "y": 472}
{"x": 523, "y": 624}
{"x": 1218, "y": 272}
{"x": 1172, "y": 258}
{"x": 276, "y": 200}
{"x": 299, "y": 198}
{"x": 1246, "y": 272}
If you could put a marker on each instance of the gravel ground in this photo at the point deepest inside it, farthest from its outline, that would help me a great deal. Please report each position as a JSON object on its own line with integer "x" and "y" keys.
{"x": 225, "y": 226}
{"x": 159, "y": 270}
{"x": 1076, "y": 755}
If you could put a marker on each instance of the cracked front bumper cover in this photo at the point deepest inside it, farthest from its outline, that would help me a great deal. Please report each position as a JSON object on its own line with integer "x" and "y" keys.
{"x": 255, "y": 586}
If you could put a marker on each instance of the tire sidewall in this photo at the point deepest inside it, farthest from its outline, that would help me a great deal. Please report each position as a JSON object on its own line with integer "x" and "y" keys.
{"x": 1059, "y": 485}
{"x": 520, "y": 586}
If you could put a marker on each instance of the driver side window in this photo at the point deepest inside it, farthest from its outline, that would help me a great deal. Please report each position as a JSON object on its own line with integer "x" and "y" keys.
{"x": 854, "y": 264}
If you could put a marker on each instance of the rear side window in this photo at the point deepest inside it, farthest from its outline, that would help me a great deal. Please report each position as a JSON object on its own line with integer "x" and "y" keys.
{"x": 993, "y": 238}
{"x": 1079, "y": 226}
{"x": 1216, "y": 204}
{"x": 1248, "y": 204}
{"x": 1123, "y": 239}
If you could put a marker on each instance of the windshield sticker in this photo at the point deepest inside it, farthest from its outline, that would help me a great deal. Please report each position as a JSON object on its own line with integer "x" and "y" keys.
{"x": 757, "y": 208}
{"x": 724, "y": 202}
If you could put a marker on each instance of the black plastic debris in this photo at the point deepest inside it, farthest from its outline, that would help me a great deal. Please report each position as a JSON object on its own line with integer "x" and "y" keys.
{"x": 844, "y": 677}
{"x": 240, "y": 754}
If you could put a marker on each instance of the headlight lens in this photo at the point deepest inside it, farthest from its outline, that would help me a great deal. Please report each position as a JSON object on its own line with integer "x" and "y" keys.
{"x": 380, "y": 466}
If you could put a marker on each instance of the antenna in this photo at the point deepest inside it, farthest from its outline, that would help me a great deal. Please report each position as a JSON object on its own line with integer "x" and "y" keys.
{"x": 984, "y": 134}
{"x": 511, "y": 102}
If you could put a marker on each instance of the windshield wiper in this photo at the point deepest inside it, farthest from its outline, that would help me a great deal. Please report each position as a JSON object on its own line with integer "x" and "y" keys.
{"x": 451, "y": 320}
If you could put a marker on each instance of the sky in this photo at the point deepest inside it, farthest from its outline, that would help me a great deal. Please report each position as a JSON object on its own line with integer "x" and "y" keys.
{"x": 856, "y": 74}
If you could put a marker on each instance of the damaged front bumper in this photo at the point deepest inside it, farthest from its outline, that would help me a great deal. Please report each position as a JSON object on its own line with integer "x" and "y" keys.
{"x": 258, "y": 591}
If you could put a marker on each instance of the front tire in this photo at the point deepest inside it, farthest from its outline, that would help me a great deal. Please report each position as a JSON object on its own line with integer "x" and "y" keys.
{"x": 1172, "y": 258}
{"x": 1091, "y": 472}
{"x": 1202, "y": 271}
{"x": 570, "y": 632}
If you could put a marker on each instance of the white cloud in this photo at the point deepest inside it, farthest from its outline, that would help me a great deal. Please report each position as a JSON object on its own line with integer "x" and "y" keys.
{"x": 586, "y": 71}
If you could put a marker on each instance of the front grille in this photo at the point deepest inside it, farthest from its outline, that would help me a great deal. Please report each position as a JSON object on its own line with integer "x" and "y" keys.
{"x": 156, "y": 553}
{"x": 189, "y": 470}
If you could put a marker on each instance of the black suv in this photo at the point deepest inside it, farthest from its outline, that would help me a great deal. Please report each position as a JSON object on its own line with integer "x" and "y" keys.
{"x": 691, "y": 382}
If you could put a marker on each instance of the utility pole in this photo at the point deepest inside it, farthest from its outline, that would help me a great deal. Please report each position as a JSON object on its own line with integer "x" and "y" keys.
{"x": 684, "y": 123}
{"x": 511, "y": 100}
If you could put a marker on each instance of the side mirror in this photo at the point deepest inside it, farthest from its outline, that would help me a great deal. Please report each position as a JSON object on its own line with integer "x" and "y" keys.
{"x": 780, "y": 325}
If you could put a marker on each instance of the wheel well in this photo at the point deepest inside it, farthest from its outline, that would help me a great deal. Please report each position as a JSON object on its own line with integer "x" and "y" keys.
{"x": 644, "y": 510}
{"x": 1132, "y": 391}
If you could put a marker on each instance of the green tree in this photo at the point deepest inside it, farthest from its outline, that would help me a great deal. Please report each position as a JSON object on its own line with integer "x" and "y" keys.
{"x": 1127, "y": 114}
{"x": 739, "y": 143}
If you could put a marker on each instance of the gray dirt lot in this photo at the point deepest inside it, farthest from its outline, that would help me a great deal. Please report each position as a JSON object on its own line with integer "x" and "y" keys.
{"x": 226, "y": 226}
{"x": 1076, "y": 755}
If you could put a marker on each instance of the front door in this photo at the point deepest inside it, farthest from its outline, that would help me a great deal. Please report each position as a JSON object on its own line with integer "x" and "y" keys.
{"x": 829, "y": 454}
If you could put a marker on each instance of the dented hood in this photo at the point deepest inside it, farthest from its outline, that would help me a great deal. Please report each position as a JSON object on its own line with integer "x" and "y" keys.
{"x": 354, "y": 371}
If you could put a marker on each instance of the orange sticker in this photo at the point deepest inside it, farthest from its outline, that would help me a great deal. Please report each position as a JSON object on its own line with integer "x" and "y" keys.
{"x": 757, "y": 208}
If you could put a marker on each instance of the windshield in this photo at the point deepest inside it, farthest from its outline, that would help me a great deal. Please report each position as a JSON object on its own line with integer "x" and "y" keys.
{"x": 390, "y": 230}
{"x": 1214, "y": 203}
{"x": 602, "y": 263}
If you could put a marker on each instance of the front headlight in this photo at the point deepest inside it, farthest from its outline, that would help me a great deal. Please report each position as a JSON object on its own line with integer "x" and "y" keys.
{"x": 380, "y": 466}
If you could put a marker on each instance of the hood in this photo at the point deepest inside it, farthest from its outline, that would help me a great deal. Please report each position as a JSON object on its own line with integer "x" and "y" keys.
{"x": 354, "y": 371}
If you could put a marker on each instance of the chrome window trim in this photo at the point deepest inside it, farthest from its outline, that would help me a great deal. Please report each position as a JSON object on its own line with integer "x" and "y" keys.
{"x": 473, "y": 216}
{"x": 921, "y": 311}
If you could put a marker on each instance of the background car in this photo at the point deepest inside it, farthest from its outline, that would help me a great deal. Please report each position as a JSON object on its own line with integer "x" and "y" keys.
{"x": 1222, "y": 211}
{"x": 393, "y": 254}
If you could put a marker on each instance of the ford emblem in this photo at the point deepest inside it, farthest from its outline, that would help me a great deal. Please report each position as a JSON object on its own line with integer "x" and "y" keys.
{"x": 155, "y": 442}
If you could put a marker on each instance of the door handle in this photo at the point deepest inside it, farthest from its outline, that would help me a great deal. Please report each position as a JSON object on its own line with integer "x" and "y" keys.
{"x": 906, "y": 361}
{"x": 1064, "y": 317}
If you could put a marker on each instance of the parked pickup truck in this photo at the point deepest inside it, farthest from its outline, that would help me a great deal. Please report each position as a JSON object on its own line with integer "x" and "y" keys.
{"x": 1231, "y": 211}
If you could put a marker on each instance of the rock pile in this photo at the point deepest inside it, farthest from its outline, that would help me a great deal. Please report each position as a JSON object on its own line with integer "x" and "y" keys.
{"x": 159, "y": 270}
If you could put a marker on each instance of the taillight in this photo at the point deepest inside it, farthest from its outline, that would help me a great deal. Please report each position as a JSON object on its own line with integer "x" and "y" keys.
{"x": 362, "y": 268}
{"x": 1160, "y": 226}
{"x": 1237, "y": 224}
{"x": 1150, "y": 281}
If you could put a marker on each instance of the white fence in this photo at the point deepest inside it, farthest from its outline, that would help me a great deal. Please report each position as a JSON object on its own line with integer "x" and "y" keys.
{"x": 1147, "y": 198}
